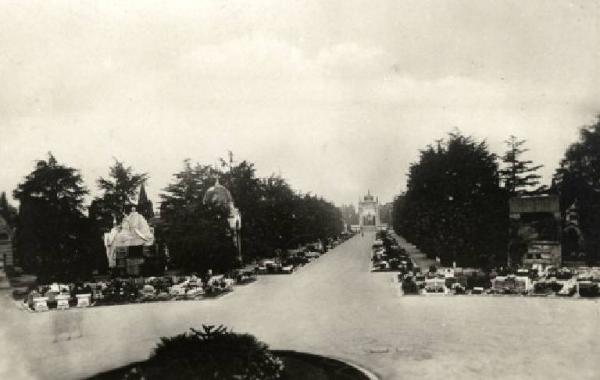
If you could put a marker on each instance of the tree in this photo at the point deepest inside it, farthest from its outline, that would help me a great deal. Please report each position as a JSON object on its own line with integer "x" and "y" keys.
{"x": 8, "y": 211}
{"x": 118, "y": 191}
{"x": 52, "y": 232}
{"x": 210, "y": 353}
{"x": 578, "y": 179}
{"x": 518, "y": 174}
{"x": 454, "y": 207}
{"x": 316, "y": 219}
{"x": 274, "y": 217}
{"x": 144, "y": 205}
{"x": 398, "y": 211}
{"x": 349, "y": 214}
{"x": 196, "y": 234}
{"x": 277, "y": 218}
{"x": 247, "y": 194}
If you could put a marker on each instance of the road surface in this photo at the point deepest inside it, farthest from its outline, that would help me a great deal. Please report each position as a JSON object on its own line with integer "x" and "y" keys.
{"x": 334, "y": 306}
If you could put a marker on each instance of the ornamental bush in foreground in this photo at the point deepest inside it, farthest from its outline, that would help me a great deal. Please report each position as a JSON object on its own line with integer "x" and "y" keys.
{"x": 210, "y": 353}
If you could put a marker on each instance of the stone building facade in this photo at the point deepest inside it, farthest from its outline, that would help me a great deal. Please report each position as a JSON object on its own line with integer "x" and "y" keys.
{"x": 368, "y": 211}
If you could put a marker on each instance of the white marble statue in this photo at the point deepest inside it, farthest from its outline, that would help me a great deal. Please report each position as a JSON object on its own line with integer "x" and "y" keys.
{"x": 135, "y": 228}
{"x": 133, "y": 231}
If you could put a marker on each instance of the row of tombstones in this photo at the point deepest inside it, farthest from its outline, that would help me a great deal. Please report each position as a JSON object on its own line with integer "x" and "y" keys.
{"x": 62, "y": 302}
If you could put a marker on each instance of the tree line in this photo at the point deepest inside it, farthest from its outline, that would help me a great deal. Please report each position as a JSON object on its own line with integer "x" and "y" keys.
{"x": 58, "y": 237}
{"x": 455, "y": 207}
{"x": 274, "y": 216}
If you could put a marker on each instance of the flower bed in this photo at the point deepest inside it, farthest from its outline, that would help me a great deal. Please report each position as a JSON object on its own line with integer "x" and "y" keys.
{"x": 125, "y": 291}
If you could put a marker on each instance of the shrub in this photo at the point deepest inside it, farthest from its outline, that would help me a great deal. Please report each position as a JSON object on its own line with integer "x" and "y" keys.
{"x": 409, "y": 286}
{"x": 213, "y": 353}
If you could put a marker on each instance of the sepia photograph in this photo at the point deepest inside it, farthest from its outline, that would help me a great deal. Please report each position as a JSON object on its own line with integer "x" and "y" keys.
{"x": 299, "y": 189}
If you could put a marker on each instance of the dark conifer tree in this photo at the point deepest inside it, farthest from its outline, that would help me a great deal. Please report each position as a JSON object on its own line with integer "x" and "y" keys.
{"x": 144, "y": 205}
{"x": 118, "y": 192}
{"x": 196, "y": 233}
{"x": 52, "y": 233}
{"x": 454, "y": 207}
{"x": 578, "y": 179}
{"x": 518, "y": 175}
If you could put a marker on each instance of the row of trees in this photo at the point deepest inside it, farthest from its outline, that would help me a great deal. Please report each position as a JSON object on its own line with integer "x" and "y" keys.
{"x": 56, "y": 239}
{"x": 274, "y": 217}
{"x": 456, "y": 203}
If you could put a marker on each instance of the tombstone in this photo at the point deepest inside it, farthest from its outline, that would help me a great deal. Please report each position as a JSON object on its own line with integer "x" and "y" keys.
{"x": 40, "y": 304}
{"x": 97, "y": 292}
{"x": 83, "y": 300}
{"x": 148, "y": 291}
{"x": 194, "y": 292}
{"x": 228, "y": 284}
{"x": 62, "y": 302}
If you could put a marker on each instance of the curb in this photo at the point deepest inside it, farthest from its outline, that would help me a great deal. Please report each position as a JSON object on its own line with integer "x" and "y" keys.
{"x": 363, "y": 370}
{"x": 370, "y": 375}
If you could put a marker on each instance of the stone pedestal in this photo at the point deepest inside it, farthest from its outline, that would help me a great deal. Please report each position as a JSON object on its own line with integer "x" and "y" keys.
{"x": 40, "y": 304}
{"x": 83, "y": 300}
{"x": 62, "y": 302}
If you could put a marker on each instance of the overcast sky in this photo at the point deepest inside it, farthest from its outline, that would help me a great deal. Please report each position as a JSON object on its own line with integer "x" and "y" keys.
{"x": 336, "y": 96}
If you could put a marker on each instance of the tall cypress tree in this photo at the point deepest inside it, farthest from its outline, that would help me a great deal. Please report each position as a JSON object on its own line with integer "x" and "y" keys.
{"x": 144, "y": 205}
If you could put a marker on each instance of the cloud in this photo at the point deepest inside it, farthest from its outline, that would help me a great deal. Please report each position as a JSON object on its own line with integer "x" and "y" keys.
{"x": 260, "y": 57}
{"x": 339, "y": 97}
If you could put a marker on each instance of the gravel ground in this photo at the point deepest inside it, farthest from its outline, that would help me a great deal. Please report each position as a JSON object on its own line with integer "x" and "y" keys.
{"x": 334, "y": 306}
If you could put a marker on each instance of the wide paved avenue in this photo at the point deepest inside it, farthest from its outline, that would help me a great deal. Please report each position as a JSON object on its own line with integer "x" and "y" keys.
{"x": 334, "y": 306}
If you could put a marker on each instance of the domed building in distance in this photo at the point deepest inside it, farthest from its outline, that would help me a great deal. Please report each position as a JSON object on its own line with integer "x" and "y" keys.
{"x": 368, "y": 211}
{"x": 219, "y": 194}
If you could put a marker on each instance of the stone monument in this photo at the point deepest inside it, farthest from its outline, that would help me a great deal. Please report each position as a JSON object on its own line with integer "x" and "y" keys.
{"x": 125, "y": 243}
{"x": 368, "y": 211}
{"x": 219, "y": 194}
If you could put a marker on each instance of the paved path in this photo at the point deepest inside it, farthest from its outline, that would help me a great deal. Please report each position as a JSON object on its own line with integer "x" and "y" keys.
{"x": 419, "y": 258}
{"x": 334, "y": 306}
